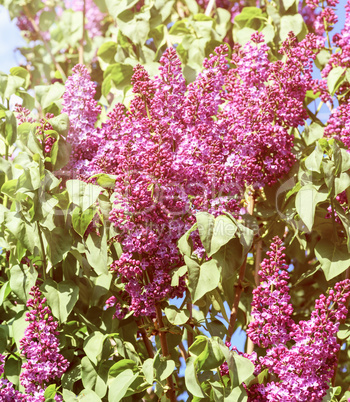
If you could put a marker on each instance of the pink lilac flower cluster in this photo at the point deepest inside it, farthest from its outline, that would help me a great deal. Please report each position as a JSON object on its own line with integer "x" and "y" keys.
{"x": 7, "y": 391}
{"x": 180, "y": 149}
{"x": 94, "y": 17}
{"x": 342, "y": 41}
{"x": 271, "y": 307}
{"x": 40, "y": 347}
{"x": 25, "y": 24}
{"x": 325, "y": 16}
{"x": 23, "y": 116}
{"x": 338, "y": 123}
{"x": 301, "y": 372}
{"x": 83, "y": 111}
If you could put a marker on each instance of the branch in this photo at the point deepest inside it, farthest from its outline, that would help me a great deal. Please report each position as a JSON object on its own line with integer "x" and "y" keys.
{"x": 47, "y": 47}
{"x": 239, "y": 284}
{"x": 189, "y": 333}
{"x": 81, "y": 42}
{"x": 165, "y": 351}
{"x": 209, "y": 8}
{"x": 145, "y": 339}
{"x": 258, "y": 255}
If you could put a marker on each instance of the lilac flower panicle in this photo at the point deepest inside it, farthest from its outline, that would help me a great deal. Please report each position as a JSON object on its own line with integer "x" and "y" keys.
{"x": 179, "y": 149}
{"x": 40, "y": 347}
{"x": 301, "y": 372}
{"x": 271, "y": 307}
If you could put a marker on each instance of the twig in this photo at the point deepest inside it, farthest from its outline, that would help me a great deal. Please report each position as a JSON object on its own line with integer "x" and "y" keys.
{"x": 42, "y": 250}
{"x": 189, "y": 333}
{"x": 258, "y": 254}
{"x": 183, "y": 351}
{"x": 81, "y": 42}
{"x": 146, "y": 341}
{"x": 239, "y": 284}
{"x": 6, "y": 178}
{"x": 47, "y": 47}
{"x": 165, "y": 351}
{"x": 209, "y": 8}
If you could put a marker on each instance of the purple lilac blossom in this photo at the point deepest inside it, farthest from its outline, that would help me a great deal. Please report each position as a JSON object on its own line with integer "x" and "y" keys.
{"x": 300, "y": 372}
{"x": 180, "y": 149}
{"x": 40, "y": 347}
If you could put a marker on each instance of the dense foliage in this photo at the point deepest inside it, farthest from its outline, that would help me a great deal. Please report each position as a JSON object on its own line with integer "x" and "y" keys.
{"x": 173, "y": 174}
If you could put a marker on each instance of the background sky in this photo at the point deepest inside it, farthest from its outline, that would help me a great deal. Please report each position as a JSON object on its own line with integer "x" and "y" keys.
{"x": 10, "y": 37}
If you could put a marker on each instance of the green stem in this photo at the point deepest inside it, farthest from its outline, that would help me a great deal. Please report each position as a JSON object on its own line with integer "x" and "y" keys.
{"x": 6, "y": 178}
{"x": 81, "y": 47}
{"x": 165, "y": 351}
{"x": 42, "y": 251}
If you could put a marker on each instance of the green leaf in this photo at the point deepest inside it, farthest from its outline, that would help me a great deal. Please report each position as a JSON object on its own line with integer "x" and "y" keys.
{"x": 134, "y": 25}
{"x": 313, "y": 133}
{"x": 82, "y": 194}
{"x": 243, "y": 35}
{"x": 191, "y": 380}
{"x": 23, "y": 231}
{"x": 81, "y": 220}
{"x": 12, "y": 370}
{"x": 248, "y": 14}
{"x": 122, "y": 365}
{"x": 165, "y": 369}
{"x": 107, "y": 52}
{"x": 88, "y": 395}
{"x": 96, "y": 252}
{"x": 60, "y": 124}
{"x": 176, "y": 316}
{"x": 115, "y": 7}
{"x": 52, "y": 94}
{"x": 93, "y": 346}
{"x": 229, "y": 258}
{"x": 46, "y": 20}
{"x": 243, "y": 368}
{"x": 306, "y": 200}
{"x": 119, "y": 74}
{"x": 50, "y": 391}
{"x": 185, "y": 242}
{"x": 344, "y": 331}
{"x": 9, "y": 128}
{"x": 13, "y": 84}
{"x": 334, "y": 259}
{"x": 4, "y": 291}
{"x": 119, "y": 386}
{"x": 290, "y": 23}
{"x": 313, "y": 161}
{"x": 19, "y": 326}
{"x": 59, "y": 243}
{"x": 208, "y": 353}
{"x": 205, "y": 225}
{"x": 148, "y": 371}
{"x": 341, "y": 183}
{"x": 335, "y": 78}
{"x": 203, "y": 278}
{"x": 61, "y": 297}
{"x": 177, "y": 274}
{"x": 22, "y": 73}
{"x": 22, "y": 279}
{"x": 288, "y": 3}
{"x": 224, "y": 230}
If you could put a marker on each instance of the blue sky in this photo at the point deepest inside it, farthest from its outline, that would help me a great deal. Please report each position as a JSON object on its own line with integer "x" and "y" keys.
{"x": 10, "y": 37}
